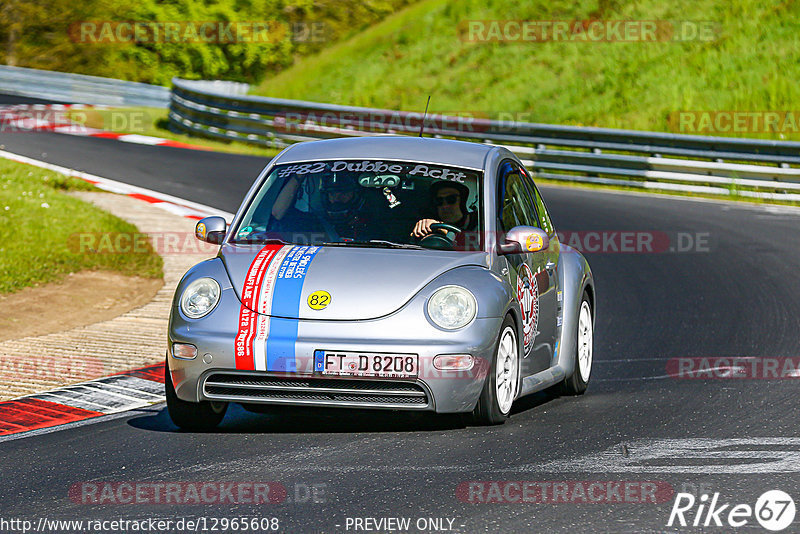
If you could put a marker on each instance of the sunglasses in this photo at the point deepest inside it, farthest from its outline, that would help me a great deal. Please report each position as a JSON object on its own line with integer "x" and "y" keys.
{"x": 447, "y": 199}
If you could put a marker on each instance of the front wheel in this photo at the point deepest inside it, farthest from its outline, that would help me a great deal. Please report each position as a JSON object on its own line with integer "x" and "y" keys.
{"x": 194, "y": 416}
{"x": 584, "y": 341}
{"x": 500, "y": 387}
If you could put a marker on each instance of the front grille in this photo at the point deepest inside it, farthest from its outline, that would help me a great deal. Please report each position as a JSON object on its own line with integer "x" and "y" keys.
{"x": 249, "y": 387}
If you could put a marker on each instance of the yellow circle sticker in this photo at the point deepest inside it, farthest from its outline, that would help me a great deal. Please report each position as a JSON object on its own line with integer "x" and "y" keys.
{"x": 201, "y": 230}
{"x": 318, "y": 300}
{"x": 534, "y": 242}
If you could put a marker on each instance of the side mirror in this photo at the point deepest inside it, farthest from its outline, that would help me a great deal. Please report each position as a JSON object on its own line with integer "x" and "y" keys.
{"x": 524, "y": 239}
{"x": 211, "y": 230}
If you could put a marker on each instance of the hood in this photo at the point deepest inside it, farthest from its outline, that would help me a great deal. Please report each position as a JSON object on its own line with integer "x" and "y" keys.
{"x": 350, "y": 283}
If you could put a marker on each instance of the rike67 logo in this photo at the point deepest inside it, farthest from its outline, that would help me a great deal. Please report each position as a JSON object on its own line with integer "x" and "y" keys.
{"x": 774, "y": 510}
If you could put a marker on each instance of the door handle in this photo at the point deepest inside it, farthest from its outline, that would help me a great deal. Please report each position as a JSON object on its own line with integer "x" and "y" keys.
{"x": 550, "y": 266}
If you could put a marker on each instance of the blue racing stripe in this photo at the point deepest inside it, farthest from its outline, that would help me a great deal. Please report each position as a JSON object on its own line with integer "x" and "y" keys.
{"x": 286, "y": 303}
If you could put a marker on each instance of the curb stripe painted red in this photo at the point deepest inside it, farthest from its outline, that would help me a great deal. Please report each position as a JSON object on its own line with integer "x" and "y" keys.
{"x": 30, "y": 414}
{"x": 113, "y": 394}
{"x": 178, "y": 206}
{"x": 15, "y": 118}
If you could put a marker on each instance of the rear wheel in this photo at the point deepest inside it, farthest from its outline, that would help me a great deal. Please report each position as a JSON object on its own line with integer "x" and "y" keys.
{"x": 584, "y": 342}
{"x": 500, "y": 386}
{"x": 195, "y": 416}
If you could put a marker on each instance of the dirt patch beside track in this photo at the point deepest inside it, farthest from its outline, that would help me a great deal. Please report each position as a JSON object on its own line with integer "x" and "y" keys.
{"x": 79, "y": 299}
{"x": 118, "y": 340}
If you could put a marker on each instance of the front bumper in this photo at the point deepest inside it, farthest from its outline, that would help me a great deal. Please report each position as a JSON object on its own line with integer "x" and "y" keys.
{"x": 212, "y": 375}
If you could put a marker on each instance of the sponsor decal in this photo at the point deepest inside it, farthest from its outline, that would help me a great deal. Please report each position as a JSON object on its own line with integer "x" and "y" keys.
{"x": 272, "y": 286}
{"x": 533, "y": 243}
{"x": 289, "y": 281}
{"x": 200, "y": 230}
{"x": 319, "y": 300}
{"x": 528, "y": 297}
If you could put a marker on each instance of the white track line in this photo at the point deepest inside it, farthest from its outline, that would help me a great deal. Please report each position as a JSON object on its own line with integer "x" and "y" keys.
{"x": 171, "y": 203}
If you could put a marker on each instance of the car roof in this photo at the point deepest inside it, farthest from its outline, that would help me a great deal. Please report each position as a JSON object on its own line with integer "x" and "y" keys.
{"x": 422, "y": 149}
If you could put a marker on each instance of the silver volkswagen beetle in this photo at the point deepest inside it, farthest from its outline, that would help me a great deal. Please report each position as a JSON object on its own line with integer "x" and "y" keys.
{"x": 385, "y": 273}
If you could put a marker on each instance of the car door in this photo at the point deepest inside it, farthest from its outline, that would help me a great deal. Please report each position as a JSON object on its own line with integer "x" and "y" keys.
{"x": 528, "y": 272}
{"x": 552, "y": 256}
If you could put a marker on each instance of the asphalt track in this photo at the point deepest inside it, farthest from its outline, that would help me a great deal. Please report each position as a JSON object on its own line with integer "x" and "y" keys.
{"x": 737, "y": 298}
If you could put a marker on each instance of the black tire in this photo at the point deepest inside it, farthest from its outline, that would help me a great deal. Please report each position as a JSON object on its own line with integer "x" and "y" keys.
{"x": 577, "y": 383}
{"x": 194, "y": 416}
{"x": 488, "y": 410}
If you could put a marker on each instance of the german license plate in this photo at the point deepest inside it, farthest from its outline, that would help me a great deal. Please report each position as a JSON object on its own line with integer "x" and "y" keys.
{"x": 366, "y": 364}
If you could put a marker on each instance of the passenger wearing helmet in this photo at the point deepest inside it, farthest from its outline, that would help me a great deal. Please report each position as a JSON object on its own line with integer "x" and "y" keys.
{"x": 449, "y": 202}
{"x": 340, "y": 211}
{"x": 344, "y": 205}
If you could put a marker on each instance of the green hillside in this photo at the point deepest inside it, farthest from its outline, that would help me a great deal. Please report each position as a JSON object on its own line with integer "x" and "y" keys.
{"x": 751, "y": 63}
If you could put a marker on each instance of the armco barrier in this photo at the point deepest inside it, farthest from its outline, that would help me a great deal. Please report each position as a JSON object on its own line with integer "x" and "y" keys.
{"x": 68, "y": 88}
{"x": 71, "y": 88}
{"x": 648, "y": 160}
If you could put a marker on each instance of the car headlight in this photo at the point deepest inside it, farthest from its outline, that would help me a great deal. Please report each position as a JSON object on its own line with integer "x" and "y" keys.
{"x": 200, "y": 297}
{"x": 452, "y": 307}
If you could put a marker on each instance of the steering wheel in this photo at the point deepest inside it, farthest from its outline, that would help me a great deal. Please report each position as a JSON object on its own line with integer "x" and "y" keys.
{"x": 438, "y": 240}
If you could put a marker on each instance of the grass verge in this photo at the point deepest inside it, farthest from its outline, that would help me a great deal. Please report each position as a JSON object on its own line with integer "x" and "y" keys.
{"x": 39, "y": 224}
{"x": 748, "y": 63}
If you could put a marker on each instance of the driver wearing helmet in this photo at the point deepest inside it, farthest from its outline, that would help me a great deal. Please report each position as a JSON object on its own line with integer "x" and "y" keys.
{"x": 449, "y": 199}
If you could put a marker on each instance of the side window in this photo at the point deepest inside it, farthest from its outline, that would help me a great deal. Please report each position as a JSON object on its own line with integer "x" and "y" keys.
{"x": 515, "y": 207}
{"x": 544, "y": 218}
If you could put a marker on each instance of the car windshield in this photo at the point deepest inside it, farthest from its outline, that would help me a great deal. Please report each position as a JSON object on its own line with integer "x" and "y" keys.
{"x": 368, "y": 203}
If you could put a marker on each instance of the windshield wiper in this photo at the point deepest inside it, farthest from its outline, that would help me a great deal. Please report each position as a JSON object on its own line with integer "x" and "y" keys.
{"x": 374, "y": 243}
{"x": 250, "y": 240}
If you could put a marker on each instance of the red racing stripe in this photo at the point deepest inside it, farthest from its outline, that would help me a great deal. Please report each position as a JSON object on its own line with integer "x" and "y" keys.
{"x": 243, "y": 345}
